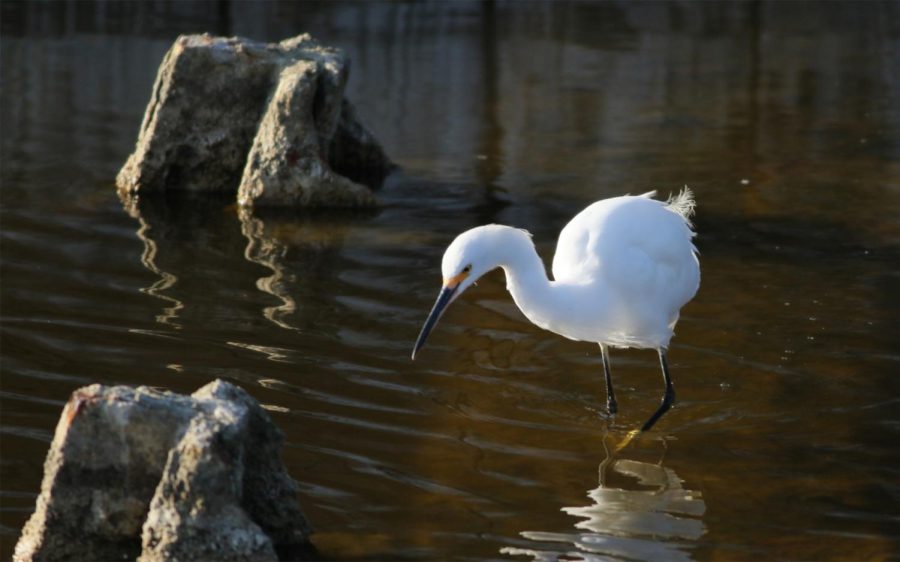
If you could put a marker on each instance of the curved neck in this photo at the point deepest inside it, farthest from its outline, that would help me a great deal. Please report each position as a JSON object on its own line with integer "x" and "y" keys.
{"x": 526, "y": 278}
{"x": 573, "y": 310}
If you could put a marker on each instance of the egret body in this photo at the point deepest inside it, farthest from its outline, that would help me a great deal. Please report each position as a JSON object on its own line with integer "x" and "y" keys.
{"x": 623, "y": 269}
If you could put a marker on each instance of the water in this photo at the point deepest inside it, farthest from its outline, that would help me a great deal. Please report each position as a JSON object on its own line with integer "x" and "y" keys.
{"x": 783, "y": 118}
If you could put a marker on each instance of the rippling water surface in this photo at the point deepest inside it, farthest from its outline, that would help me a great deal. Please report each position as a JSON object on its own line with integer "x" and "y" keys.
{"x": 783, "y": 118}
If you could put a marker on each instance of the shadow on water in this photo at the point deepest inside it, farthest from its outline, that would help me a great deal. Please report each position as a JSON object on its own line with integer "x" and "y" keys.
{"x": 639, "y": 511}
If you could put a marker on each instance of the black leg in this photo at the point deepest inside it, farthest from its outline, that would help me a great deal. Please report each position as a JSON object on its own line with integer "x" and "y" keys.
{"x": 611, "y": 405}
{"x": 668, "y": 398}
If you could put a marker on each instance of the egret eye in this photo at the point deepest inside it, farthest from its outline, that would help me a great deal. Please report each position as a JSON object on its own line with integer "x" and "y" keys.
{"x": 467, "y": 269}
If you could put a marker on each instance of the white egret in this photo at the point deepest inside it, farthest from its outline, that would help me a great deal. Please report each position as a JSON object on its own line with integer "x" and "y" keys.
{"x": 623, "y": 269}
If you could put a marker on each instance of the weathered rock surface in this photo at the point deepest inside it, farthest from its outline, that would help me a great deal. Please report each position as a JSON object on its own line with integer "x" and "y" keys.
{"x": 267, "y": 120}
{"x": 137, "y": 473}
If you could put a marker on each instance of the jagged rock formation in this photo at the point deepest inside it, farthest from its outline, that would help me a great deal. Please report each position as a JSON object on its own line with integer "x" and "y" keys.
{"x": 137, "y": 473}
{"x": 268, "y": 121}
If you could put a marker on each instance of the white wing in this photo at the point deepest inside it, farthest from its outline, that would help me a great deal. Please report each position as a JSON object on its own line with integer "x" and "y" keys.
{"x": 636, "y": 248}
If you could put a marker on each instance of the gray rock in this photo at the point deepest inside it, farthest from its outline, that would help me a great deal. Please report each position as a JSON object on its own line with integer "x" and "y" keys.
{"x": 270, "y": 120}
{"x": 208, "y": 97}
{"x": 270, "y": 494}
{"x": 286, "y": 165}
{"x": 137, "y": 472}
{"x": 103, "y": 467}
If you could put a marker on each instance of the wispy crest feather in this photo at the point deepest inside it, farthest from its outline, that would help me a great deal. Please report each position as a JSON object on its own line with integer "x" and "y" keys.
{"x": 683, "y": 204}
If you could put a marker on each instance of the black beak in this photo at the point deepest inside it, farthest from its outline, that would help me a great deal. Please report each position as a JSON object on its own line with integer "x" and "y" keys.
{"x": 444, "y": 298}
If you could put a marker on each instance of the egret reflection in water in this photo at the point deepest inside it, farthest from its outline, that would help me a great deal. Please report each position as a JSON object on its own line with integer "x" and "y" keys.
{"x": 648, "y": 515}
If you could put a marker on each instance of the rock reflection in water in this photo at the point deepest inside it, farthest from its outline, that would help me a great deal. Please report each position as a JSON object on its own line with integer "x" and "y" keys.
{"x": 189, "y": 239}
{"x": 656, "y": 519}
{"x": 268, "y": 243}
{"x": 268, "y": 252}
{"x": 149, "y": 259}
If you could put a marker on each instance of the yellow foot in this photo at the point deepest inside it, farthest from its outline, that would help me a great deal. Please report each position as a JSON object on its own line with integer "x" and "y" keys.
{"x": 628, "y": 438}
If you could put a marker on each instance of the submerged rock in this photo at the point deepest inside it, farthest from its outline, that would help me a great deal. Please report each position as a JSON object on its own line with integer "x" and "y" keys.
{"x": 267, "y": 120}
{"x": 137, "y": 473}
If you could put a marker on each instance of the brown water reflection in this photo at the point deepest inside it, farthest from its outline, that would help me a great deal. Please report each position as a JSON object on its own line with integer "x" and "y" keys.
{"x": 783, "y": 117}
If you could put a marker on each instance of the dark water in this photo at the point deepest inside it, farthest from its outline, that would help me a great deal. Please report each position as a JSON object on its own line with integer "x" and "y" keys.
{"x": 784, "y": 119}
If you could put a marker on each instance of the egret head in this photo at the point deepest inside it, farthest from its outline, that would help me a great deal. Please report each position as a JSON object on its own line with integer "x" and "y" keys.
{"x": 472, "y": 254}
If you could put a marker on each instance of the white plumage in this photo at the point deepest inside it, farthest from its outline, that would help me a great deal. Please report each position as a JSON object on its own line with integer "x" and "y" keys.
{"x": 635, "y": 254}
{"x": 623, "y": 269}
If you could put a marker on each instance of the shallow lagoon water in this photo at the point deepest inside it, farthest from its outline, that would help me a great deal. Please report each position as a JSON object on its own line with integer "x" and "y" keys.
{"x": 493, "y": 444}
